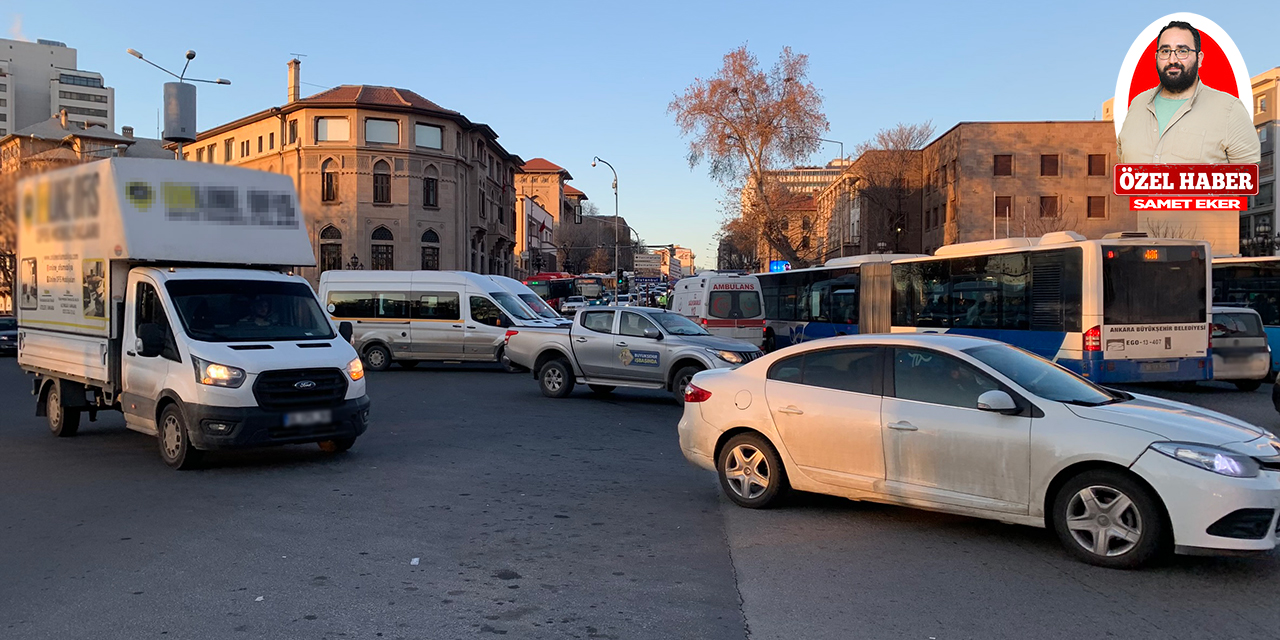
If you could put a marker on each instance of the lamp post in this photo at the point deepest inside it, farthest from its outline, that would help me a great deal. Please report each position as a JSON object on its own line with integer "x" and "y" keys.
{"x": 180, "y": 100}
{"x": 616, "y": 266}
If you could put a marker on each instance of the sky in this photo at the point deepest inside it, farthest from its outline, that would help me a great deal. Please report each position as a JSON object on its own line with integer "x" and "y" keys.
{"x": 571, "y": 80}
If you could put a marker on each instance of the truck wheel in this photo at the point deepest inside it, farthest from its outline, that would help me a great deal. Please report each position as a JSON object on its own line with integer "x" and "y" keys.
{"x": 337, "y": 445}
{"x": 601, "y": 389}
{"x": 556, "y": 379}
{"x": 377, "y": 358}
{"x": 1248, "y": 385}
{"x": 681, "y": 380}
{"x": 63, "y": 421}
{"x": 175, "y": 440}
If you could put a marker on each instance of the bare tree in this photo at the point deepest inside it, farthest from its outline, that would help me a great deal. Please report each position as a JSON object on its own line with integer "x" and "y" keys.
{"x": 1039, "y": 222}
{"x": 888, "y": 172}
{"x": 737, "y": 246}
{"x": 747, "y": 123}
{"x": 1166, "y": 229}
{"x": 599, "y": 261}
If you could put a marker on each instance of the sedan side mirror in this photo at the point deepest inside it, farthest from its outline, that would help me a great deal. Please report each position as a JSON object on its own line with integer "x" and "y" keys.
{"x": 652, "y": 334}
{"x": 151, "y": 339}
{"x": 998, "y": 401}
{"x": 345, "y": 330}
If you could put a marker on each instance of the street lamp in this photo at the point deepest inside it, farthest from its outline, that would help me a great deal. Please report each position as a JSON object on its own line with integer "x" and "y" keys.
{"x": 616, "y": 266}
{"x": 179, "y": 101}
{"x": 191, "y": 55}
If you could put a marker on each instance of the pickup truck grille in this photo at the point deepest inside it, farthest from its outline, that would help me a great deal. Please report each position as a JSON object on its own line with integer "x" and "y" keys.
{"x": 287, "y": 388}
{"x": 748, "y": 356}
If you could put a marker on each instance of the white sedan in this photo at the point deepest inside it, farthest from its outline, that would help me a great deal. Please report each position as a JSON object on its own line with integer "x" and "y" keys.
{"x": 976, "y": 427}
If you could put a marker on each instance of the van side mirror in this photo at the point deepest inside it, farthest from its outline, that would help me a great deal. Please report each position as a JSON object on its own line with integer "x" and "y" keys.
{"x": 345, "y": 330}
{"x": 151, "y": 340}
{"x": 652, "y": 334}
{"x": 998, "y": 401}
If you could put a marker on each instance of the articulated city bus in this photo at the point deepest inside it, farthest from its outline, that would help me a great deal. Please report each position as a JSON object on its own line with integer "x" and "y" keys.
{"x": 1122, "y": 309}
{"x": 552, "y": 287}
{"x": 1253, "y": 283}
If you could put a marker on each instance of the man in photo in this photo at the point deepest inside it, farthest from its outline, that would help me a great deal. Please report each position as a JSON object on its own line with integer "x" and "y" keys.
{"x": 1182, "y": 121}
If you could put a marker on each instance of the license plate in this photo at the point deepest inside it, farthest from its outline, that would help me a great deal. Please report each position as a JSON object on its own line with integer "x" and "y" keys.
{"x": 1157, "y": 367}
{"x": 304, "y": 418}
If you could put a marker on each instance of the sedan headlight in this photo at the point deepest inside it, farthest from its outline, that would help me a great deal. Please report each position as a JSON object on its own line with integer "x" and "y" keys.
{"x": 732, "y": 357}
{"x": 217, "y": 375}
{"x": 355, "y": 369}
{"x": 1210, "y": 458}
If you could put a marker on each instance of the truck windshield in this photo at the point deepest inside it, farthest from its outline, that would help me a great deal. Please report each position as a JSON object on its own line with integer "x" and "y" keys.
{"x": 678, "y": 325}
{"x": 248, "y": 310}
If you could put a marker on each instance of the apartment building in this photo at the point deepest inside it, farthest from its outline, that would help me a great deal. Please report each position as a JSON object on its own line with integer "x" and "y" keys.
{"x": 40, "y": 79}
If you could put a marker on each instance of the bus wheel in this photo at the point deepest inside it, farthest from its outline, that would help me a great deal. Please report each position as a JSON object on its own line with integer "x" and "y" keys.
{"x": 63, "y": 421}
{"x": 769, "y": 345}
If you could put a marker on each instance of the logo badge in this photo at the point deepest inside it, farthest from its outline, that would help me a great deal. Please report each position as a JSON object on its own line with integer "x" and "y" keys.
{"x": 140, "y": 194}
{"x": 304, "y": 384}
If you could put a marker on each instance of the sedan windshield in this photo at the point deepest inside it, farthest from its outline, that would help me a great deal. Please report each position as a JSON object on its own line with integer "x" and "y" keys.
{"x": 513, "y": 306}
{"x": 678, "y": 325}
{"x": 1041, "y": 377}
{"x": 248, "y": 310}
{"x": 539, "y": 305}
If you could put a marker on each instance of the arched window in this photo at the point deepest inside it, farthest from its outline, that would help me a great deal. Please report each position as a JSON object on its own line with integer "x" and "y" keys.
{"x": 430, "y": 250}
{"x": 330, "y": 248}
{"x": 382, "y": 251}
{"x": 329, "y": 181}
{"x": 382, "y": 183}
{"x": 431, "y": 187}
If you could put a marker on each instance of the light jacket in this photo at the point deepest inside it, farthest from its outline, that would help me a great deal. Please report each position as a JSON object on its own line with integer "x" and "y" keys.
{"x": 1212, "y": 127}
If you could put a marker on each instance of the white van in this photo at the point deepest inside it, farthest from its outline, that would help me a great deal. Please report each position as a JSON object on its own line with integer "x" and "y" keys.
{"x": 531, "y": 300}
{"x": 414, "y": 316}
{"x": 725, "y": 304}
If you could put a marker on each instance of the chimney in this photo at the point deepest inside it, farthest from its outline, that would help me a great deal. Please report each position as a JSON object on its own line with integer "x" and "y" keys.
{"x": 126, "y": 132}
{"x": 62, "y": 117}
{"x": 295, "y": 81}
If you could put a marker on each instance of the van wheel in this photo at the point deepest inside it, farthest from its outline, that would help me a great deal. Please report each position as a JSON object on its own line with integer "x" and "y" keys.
{"x": 64, "y": 422}
{"x": 337, "y": 445}
{"x": 377, "y": 358}
{"x": 1248, "y": 385}
{"x": 681, "y": 380}
{"x": 556, "y": 379}
{"x": 175, "y": 440}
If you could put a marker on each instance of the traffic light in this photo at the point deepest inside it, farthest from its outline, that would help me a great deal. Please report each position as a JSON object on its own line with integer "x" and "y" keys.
{"x": 621, "y": 279}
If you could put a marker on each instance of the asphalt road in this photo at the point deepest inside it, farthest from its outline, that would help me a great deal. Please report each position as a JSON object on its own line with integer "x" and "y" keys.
{"x": 536, "y": 518}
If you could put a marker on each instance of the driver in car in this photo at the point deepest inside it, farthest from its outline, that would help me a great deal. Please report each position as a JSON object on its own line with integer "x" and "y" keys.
{"x": 260, "y": 314}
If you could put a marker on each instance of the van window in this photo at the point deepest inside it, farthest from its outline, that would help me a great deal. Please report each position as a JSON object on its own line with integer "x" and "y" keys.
{"x": 443, "y": 305}
{"x": 485, "y": 311}
{"x": 351, "y": 305}
{"x": 393, "y": 306}
{"x": 733, "y": 304}
{"x": 150, "y": 310}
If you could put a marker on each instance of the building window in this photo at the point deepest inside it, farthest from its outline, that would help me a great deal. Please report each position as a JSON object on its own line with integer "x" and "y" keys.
{"x": 1266, "y": 194}
{"x": 200, "y": 154}
{"x": 1262, "y": 133}
{"x": 82, "y": 111}
{"x": 430, "y": 251}
{"x": 1003, "y": 205}
{"x": 212, "y": 152}
{"x": 1097, "y": 207}
{"x": 1003, "y": 165}
{"x": 293, "y": 131}
{"x": 430, "y": 192}
{"x": 330, "y": 249}
{"x": 1049, "y": 165}
{"x": 332, "y": 130}
{"x": 328, "y": 181}
{"x": 244, "y": 149}
{"x": 271, "y": 141}
{"x": 76, "y": 95}
{"x": 1097, "y": 164}
{"x": 1262, "y": 104}
{"x": 379, "y": 131}
{"x": 482, "y": 203}
{"x": 229, "y": 150}
{"x": 383, "y": 255}
{"x": 259, "y": 144}
{"x": 1048, "y": 206}
{"x": 1268, "y": 164}
{"x": 428, "y": 136}
{"x": 80, "y": 80}
{"x": 382, "y": 182}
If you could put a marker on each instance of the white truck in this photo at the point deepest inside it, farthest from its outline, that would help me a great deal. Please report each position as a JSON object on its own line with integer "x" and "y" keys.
{"x": 161, "y": 289}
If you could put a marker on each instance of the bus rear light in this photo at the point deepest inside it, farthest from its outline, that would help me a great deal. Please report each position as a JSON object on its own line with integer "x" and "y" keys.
{"x": 1093, "y": 339}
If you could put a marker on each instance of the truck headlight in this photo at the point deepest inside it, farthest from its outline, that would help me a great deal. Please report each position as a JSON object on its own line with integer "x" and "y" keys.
{"x": 217, "y": 375}
{"x": 732, "y": 357}
{"x": 1210, "y": 458}
{"x": 355, "y": 369}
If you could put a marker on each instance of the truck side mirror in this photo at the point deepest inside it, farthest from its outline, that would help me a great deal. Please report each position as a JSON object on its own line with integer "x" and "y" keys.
{"x": 652, "y": 334}
{"x": 151, "y": 337}
{"x": 345, "y": 330}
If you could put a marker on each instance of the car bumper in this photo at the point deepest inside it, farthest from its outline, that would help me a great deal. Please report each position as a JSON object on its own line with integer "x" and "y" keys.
{"x": 1196, "y": 500}
{"x": 1253, "y": 367}
{"x": 697, "y": 437}
{"x": 257, "y": 427}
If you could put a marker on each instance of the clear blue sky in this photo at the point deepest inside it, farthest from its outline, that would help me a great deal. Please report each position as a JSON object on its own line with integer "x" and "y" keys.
{"x": 569, "y": 80}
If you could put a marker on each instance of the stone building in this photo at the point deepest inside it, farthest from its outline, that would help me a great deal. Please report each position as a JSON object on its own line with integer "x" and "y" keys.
{"x": 387, "y": 178}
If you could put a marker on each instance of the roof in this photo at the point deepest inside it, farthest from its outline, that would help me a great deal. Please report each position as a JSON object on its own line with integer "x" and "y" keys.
{"x": 148, "y": 148}
{"x": 570, "y": 190}
{"x": 542, "y": 165}
{"x": 52, "y": 129}
{"x": 372, "y": 95}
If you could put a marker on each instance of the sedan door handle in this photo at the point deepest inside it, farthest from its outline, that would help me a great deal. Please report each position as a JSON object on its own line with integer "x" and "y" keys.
{"x": 791, "y": 410}
{"x": 902, "y": 426}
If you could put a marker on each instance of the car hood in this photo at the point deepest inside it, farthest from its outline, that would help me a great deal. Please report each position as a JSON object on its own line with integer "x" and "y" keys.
{"x": 718, "y": 343}
{"x": 1175, "y": 421}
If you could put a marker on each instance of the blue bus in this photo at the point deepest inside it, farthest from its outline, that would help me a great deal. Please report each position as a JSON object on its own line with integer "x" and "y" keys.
{"x": 1125, "y": 308}
{"x": 1253, "y": 283}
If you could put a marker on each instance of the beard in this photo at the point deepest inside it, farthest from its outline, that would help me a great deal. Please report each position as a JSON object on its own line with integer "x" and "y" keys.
{"x": 1184, "y": 76}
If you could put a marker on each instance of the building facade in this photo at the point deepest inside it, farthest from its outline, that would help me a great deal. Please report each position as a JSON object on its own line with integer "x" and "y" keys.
{"x": 874, "y": 205}
{"x": 387, "y": 179}
{"x": 39, "y": 79}
{"x": 1258, "y": 229}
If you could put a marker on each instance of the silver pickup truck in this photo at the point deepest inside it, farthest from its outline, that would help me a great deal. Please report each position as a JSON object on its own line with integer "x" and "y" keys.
{"x": 610, "y": 347}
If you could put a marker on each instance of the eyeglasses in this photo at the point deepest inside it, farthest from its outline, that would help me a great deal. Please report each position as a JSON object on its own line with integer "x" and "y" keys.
{"x": 1181, "y": 52}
